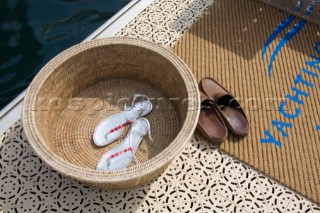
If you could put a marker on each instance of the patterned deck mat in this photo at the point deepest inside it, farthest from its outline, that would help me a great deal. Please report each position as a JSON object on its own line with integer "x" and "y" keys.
{"x": 202, "y": 179}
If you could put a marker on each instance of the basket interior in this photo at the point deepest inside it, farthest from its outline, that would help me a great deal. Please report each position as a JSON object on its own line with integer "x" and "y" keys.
{"x": 96, "y": 83}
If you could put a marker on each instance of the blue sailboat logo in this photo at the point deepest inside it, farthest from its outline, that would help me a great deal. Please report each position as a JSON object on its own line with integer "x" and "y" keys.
{"x": 296, "y": 29}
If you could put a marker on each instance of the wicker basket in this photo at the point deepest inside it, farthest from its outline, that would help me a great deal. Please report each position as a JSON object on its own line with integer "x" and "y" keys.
{"x": 93, "y": 80}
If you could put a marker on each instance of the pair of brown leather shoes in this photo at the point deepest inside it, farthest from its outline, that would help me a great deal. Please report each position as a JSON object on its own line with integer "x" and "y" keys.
{"x": 219, "y": 111}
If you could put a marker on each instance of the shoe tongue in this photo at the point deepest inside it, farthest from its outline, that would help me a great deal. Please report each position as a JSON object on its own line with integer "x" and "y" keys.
{"x": 213, "y": 89}
{"x": 219, "y": 95}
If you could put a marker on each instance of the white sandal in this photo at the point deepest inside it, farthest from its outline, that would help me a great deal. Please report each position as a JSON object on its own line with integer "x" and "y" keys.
{"x": 111, "y": 128}
{"x": 121, "y": 156}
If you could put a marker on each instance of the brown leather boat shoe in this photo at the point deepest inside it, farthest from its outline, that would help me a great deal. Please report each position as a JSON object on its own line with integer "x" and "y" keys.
{"x": 227, "y": 106}
{"x": 210, "y": 123}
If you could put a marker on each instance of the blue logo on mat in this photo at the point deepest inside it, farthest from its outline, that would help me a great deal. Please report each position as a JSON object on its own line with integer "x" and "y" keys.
{"x": 295, "y": 95}
{"x": 296, "y": 29}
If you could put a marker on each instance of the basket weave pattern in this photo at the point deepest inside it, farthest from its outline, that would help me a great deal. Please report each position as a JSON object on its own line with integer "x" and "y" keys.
{"x": 88, "y": 80}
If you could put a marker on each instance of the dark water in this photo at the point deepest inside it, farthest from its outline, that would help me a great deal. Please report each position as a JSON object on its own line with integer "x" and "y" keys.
{"x": 34, "y": 31}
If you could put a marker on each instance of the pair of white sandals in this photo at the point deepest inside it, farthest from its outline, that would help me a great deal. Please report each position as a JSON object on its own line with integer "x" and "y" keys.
{"x": 112, "y": 127}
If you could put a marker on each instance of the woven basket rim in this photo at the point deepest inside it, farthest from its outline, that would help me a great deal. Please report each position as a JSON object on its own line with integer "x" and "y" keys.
{"x": 91, "y": 175}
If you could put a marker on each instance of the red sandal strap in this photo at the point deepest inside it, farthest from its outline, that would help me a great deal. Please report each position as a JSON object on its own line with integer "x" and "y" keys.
{"x": 121, "y": 152}
{"x": 120, "y": 127}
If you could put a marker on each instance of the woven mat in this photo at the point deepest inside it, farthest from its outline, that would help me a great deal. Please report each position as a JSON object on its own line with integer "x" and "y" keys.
{"x": 271, "y": 62}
